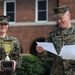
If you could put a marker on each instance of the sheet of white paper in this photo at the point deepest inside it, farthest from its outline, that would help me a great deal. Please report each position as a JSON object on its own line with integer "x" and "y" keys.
{"x": 47, "y": 46}
{"x": 68, "y": 52}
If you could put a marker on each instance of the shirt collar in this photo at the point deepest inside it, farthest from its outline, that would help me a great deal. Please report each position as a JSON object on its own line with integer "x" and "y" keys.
{"x": 67, "y": 31}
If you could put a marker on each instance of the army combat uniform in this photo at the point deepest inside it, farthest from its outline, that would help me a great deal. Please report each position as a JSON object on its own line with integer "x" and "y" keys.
{"x": 59, "y": 38}
{"x": 14, "y": 54}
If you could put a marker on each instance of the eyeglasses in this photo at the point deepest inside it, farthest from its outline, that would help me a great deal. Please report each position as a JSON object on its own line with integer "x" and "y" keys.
{"x": 1, "y": 24}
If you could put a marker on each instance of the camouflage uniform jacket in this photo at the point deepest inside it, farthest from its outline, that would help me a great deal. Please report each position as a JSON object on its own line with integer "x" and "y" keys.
{"x": 60, "y": 37}
{"x": 14, "y": 53}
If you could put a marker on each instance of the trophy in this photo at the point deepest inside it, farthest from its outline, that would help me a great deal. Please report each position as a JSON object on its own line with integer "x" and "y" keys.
{"x": 7, "y": 64}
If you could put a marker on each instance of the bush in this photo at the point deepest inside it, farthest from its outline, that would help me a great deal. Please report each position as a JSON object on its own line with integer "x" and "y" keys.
{"x": 47, "y": 65}
{"x": 32, "y": 65}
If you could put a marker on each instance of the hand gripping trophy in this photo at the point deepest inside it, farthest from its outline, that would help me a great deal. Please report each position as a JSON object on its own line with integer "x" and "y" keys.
{"x": 7, "y": 64}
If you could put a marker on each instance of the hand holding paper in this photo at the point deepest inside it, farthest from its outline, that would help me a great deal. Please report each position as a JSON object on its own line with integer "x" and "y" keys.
{"x": 39, "y": 49}
{"x": 47, "y": 46}
{"x": 67, "y": 51}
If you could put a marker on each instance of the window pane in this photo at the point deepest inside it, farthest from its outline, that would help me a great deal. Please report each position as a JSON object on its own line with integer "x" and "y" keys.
{"x": 11, "y": 16}
{"x": 42, "y": 15}
{"x": 10, "y": 10}
{"x": 41, "y": 5}
{"x": 10, "y": 6}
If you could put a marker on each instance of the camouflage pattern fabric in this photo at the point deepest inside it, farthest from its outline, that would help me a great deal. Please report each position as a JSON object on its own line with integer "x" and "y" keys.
{"x": 59, "y": 38}
{"x": 60, "y": 11}
{"x": 14, "y": 54}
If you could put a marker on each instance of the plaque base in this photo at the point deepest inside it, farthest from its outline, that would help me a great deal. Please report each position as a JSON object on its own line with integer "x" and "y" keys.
{"x": 7, "y": 65}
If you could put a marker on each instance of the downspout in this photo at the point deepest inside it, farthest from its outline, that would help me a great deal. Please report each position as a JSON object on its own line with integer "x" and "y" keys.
{"x": 57, "y": 3}
{"x": 57, "y": 6}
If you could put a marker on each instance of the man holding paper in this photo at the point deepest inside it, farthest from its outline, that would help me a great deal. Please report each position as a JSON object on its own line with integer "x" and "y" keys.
{"x": 63, "y": 35}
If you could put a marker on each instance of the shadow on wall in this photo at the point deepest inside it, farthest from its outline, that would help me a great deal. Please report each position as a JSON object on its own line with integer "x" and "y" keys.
{"x": 33, "y": 46}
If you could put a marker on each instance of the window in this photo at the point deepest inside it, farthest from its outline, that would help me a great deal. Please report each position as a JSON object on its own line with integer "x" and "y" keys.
{"x": 41, "y": 10}
{"x": 9, "y": 9}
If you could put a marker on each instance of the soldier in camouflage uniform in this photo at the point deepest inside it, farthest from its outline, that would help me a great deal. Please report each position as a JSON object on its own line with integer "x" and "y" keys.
{"x": 64, "y": 34}
{"x": 14, "y": 54}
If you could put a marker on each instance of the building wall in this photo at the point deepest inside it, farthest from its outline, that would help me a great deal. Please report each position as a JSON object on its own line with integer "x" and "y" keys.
{"x": 25, "y": 12}
{"x": 71, "y": 4}
{"x": 27, "y": 34}
{"x": 51, "y": 5}
{"x": 1, "y": 7}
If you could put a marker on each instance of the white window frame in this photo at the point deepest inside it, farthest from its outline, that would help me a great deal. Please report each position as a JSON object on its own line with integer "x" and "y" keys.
{"x": 6, "y": 1}
{"x": 36, "y": 10}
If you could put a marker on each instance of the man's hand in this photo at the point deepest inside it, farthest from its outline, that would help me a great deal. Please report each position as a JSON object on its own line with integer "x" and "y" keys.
{"x": 39, "y": 49}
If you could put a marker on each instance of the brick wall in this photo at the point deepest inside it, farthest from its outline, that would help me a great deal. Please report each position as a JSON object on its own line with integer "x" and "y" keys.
{"x": 1, "y": 8}
{"x": 27, "y": 34}
{"x": 71, "y": 4}
{"x": 51, "y": 5}
{"x": 25, "y": 12}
